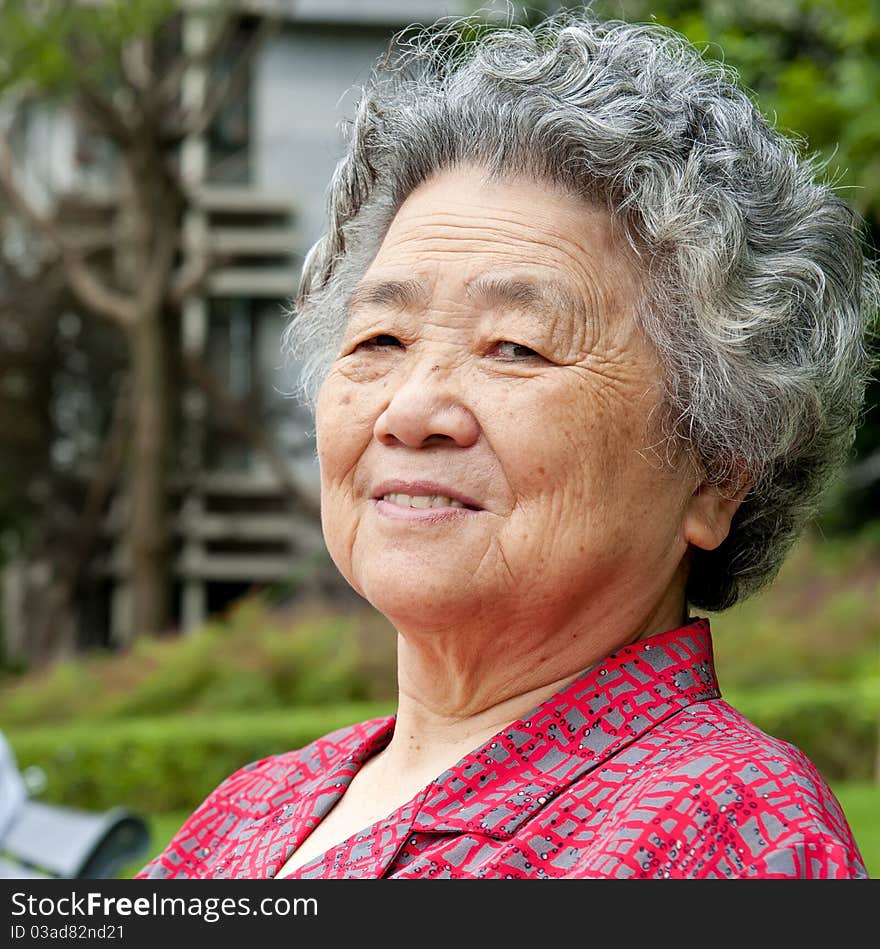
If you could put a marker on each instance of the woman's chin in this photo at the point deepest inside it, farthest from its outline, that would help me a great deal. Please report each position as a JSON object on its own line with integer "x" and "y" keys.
{"x": 420, "y": 601}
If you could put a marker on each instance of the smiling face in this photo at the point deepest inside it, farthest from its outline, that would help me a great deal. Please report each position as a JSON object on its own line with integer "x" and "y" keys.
{"x": 492, "y": 357}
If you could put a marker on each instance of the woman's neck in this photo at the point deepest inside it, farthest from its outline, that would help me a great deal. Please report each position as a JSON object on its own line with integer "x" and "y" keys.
{"x": 428, "y": 730}
{"x": 458, "y": 688}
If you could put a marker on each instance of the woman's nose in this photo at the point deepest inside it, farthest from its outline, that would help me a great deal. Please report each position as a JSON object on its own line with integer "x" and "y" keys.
{"x": 425, "y": 409}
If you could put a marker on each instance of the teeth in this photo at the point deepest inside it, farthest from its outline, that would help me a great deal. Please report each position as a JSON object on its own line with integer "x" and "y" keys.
{"x": 430, "y": 500}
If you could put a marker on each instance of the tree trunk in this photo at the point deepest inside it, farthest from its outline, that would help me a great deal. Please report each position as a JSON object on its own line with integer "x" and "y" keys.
{"x": 147, "y": 534}
{"x": 152, "y": 211}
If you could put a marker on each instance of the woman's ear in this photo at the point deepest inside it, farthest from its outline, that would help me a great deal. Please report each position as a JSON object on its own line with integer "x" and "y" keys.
{"x": 709, "y": 513}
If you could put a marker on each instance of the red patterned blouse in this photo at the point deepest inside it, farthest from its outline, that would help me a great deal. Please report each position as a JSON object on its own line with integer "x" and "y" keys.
{"x": 635, "y": 769}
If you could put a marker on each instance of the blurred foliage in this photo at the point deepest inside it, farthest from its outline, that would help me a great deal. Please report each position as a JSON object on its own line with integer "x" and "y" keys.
{"x": 165, "y": 764}
{"x": 813, "y": 65}
{"x": 819, "y": 621}
{"x": 861, "y": 804}
{"x": 161, "y": 725}
{"x": 64, "y": 44}
{"x": 253, "y": 659}
{"x": 835, "y": 725}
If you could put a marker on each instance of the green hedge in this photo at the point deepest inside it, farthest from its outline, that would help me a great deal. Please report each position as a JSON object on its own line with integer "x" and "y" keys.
{"x": 166, "y": 764}
{"x": 170, "y": 764}
{"x": 250, "y": 664}
{"x": 834, "y": 724}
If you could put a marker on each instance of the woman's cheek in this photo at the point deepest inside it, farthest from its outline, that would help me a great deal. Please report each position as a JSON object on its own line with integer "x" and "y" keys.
{"x": 340, "y": 417}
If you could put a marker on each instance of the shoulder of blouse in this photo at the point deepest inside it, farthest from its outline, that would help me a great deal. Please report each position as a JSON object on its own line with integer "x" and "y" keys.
{"x": 249, "y": 791}
{"x": 733, "y": 801}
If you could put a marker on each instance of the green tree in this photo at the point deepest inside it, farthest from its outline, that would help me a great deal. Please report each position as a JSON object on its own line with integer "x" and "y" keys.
{"x": 119, "y": 69}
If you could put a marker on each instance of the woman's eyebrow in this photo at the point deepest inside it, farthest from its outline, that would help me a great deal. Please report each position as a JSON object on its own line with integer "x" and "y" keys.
{"x": 545, "y": 298}
{"x": 400, "y": 294}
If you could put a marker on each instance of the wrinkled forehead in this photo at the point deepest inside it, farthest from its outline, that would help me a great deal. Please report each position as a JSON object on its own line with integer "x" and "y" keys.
{"x": 513, "y": 240}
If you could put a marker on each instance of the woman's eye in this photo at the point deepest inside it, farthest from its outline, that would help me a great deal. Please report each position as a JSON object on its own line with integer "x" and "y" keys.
{"x": 382, "y": 341}
{"x": 509, "y": 350}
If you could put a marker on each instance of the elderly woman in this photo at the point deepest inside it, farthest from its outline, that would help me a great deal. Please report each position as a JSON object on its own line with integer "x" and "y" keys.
{"x": 586, "y": 343}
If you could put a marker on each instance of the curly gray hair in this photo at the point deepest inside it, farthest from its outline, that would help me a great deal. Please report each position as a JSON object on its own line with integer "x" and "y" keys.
{"x": 758, "y": 293}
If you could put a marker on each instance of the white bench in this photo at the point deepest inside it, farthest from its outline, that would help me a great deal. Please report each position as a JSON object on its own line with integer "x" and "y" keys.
{"x": 47, "y": 840}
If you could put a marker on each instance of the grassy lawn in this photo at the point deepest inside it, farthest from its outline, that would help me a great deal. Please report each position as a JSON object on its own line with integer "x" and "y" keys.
{"x": 861, "y": 803}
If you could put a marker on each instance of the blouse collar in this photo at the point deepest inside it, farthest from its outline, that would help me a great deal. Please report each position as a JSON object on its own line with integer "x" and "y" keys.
{"x": 495, "y": 788}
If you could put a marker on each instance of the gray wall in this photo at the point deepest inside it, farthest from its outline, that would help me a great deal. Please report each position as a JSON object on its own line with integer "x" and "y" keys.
{"x": 306, "y": 82}
{"x": 302, "y": 90}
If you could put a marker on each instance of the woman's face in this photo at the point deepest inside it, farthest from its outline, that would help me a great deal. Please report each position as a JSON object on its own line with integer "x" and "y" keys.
{"x": 492, "y": 354}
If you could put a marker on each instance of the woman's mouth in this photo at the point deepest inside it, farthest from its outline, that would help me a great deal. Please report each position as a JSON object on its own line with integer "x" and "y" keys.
{"x": 422, "y": 501}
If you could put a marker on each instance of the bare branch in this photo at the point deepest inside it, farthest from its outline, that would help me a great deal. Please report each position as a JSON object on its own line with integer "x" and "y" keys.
{"x": 137, "y": 63}
{"x": 163, "y": 99}
{"x": 234, "y": 82}
{"x": 189, "y": 278}
{"x": 88, "y": 241}
{"x": 92, "y": 99}
{"x": 105, "y": 115}
{"x": 168, "y": 88}
{"x": 91, "y": 291}
{"x": 94, "y": 294}
{"x": 138, "y": 66}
